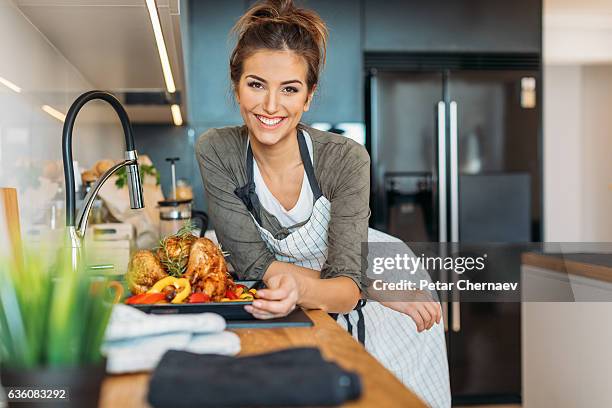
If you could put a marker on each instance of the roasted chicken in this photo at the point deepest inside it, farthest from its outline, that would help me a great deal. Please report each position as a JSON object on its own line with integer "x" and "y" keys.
{"x": 173, "y": 252}
{"x": 207, "y": 270}
{"x": 144, "y": 270}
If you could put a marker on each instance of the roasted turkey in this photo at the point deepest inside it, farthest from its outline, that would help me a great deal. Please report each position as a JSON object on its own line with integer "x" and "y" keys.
{"x": 207, "y": 270}
{"x": 144, "y": 270}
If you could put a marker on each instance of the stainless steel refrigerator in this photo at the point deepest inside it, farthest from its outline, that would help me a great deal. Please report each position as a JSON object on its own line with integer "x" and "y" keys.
{"x": 456, "y": 157}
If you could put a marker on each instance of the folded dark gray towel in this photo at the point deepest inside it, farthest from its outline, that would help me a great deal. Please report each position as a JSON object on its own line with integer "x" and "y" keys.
{"x": 292, "y": 377}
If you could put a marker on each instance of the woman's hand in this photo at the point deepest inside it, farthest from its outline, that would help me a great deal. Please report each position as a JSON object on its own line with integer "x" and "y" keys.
{"x": 278, "y": 299}
{"x": 423, "y": 310}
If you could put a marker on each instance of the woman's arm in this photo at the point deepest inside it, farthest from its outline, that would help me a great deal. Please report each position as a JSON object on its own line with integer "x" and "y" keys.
{"x": 290, "y": 284}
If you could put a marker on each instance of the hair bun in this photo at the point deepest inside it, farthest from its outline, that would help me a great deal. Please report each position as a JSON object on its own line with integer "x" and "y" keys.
{"x": 279, "y": 11}
{"x": 276, "y": 8}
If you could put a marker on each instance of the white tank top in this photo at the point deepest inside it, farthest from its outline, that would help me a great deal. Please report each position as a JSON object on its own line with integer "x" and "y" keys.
{"x": 302, "y": 209}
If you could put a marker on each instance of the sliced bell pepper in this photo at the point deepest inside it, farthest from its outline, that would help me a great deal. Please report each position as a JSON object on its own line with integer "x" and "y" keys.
{"x": 162, "y": 283}
{"x": 199, "y": 298}
{"x": 145, "y": 299}
{"x": 185, "y": 291}
{"x": 230, "y": 295}
{"x": 178, "y": 283}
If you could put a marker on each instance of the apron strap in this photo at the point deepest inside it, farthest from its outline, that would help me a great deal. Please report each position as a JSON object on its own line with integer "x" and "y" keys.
{"x": 308, "y": 167}
{"x": 361, "y": 335}
{"x": 247, "y": 192}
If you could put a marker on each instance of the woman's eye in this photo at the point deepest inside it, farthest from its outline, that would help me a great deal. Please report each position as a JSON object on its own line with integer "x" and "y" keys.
{"x": 254, "y": 84}
{"x": 291, "y": 89}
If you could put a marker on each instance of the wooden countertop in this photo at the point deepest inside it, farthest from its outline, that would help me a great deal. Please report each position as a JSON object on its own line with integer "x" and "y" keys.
{"x": 575, "y": 264}
{"x": 381, "y": 388}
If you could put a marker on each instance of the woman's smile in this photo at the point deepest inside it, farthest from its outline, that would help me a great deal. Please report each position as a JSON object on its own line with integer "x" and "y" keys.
{"x": 270, "y": 123}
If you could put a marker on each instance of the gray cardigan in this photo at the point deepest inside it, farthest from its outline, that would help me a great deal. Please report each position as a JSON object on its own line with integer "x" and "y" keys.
{"x": 342, "y": 169}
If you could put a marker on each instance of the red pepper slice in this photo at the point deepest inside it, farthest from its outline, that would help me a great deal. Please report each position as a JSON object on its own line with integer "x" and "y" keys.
{"x": 132, "y": 300}
{"x": 230, "y": 295}
{"x": 145, "y": 299}
{"x": 199, "y": 298}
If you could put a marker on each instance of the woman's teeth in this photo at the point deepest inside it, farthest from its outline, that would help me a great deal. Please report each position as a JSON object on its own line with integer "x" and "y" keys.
{"x": 269, "y": 121}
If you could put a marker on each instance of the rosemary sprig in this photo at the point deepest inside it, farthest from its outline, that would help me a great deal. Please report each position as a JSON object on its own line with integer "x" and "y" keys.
{"x": 176, "y": 265}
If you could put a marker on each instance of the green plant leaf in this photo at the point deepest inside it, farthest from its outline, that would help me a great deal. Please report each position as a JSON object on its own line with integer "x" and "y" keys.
{"x": 145, "y": 170}
{"x": 51, "y": 314}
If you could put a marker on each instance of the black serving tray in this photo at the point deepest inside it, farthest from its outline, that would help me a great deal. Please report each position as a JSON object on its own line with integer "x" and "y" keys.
{"x": 233, "y": 312}
{"x": 297, "y": 318}
{"x": 229, "y": 310}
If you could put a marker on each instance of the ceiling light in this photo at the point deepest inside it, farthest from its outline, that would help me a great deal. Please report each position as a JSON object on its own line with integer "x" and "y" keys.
{"x": 161, "y": 46}
{"x": 10, "y": 85}
{"x": 176, "y": 115}
{"x": 54, "y": 112}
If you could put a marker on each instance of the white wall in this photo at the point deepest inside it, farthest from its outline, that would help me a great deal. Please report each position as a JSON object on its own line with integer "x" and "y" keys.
{"x": 577, "y": 153}
{"x": 597, "y": 153}
{"x": 563, "y": 153}
{"x": 575, "y": 37}
{"x": 30, "y": 139}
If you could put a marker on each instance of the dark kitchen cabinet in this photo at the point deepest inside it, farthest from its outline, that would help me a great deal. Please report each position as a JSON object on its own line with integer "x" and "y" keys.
{"x": 453, "y": 26}
{"x": 210, "y": 98}
{"x": 340, "y": 94}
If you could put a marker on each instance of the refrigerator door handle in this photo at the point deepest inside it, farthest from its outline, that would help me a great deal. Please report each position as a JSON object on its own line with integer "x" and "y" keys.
{"x": 378, "y": 170}
{"x": 442, "y": 187}
{"x": 444, "y": 306}
{"x": 442, "y": 197}
{"x": 456, "y": 325}
{"x": 454, "y": 173}
{"x": 454, "y": 203}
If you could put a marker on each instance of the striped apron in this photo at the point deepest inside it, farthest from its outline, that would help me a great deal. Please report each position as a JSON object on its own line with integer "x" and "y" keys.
{"x": 417, "y": 359}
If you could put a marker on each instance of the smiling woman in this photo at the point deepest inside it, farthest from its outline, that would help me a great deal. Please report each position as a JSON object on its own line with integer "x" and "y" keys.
{"x": 291, "y": 203}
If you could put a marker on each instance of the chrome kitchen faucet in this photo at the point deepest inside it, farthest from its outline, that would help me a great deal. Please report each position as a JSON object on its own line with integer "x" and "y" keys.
{"x": 76, "y": 231}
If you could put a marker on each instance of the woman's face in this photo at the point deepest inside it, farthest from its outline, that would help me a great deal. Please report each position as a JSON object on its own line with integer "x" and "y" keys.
{"x": 272, "y": 94}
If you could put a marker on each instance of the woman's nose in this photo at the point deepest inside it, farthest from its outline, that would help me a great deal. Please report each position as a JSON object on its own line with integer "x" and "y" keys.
{"x": 270, "y": 103}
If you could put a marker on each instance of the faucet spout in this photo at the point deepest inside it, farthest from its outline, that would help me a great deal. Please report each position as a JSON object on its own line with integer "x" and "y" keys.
{"x": 133, "y": 180}
{"x": 131, "y": 159}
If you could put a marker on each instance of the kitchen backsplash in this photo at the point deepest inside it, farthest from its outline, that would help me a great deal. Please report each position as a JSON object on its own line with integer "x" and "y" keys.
{"x": 36, "y": 82}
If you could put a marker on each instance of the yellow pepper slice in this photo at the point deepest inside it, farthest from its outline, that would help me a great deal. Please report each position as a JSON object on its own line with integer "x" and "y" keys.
{"x": 183, "y": 294}
{"x": 178, "y": 283}
{"x": 162, "y": 283}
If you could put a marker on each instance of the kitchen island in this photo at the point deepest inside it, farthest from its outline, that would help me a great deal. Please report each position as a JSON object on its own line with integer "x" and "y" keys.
{"x": 597, "y": 266}
{"x": 380, "y": 387}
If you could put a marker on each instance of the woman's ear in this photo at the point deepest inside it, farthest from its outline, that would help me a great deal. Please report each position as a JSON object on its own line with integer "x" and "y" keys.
{"x": 309, "y": 99}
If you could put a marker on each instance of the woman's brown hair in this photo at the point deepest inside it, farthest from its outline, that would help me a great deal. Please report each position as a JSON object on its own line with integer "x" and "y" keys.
{"x": 280, "y": 25}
